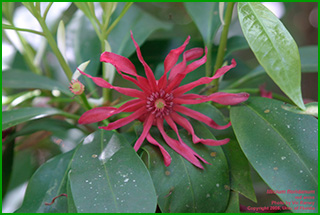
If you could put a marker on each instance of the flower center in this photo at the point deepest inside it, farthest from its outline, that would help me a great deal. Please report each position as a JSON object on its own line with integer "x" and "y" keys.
{"x": 159, "y": 103}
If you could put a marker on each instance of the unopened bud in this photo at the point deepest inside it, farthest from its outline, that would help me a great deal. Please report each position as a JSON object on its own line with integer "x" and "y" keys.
{"x": 76, "y": 87}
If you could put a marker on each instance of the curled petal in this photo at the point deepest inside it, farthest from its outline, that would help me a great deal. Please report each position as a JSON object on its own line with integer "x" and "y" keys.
{"x": 166, "y": 156}
{"x": 142, "y": 82}
{"x": 120, "y": 62}
{"x": 220, "y": 97}
{"x": 224, "y": 69}
{"x": 126, "y": 91}
{"x": 180, "y": 148}
{"x": 173, "y": 126}
{"x": 199, "y": 116}
{"x": 146, "y": 127}
{"x": 187, "y": 56}
{"x": 126, "y": 120}
{"x": 205, "y": 80}
{"x": 149, "y": 73}
{"x": 195, "y": 139}
{"x": 96, "y": 115}
{"x": 173, "y": 56}
{"x": 191, "y": 67}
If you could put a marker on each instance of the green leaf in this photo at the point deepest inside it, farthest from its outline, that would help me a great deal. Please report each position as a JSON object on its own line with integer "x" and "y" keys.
{"x": 238, "y": 163}
{"x": 142, "y": 25}
{"x": 274, "y": 48}
{"x": 280, "y": 145}
{"x": 18, "y": 79}
{"x": 309, "y": 58}
{"x": 7, "y": 164}
{"x": 234, "y": 205}
{"x": 311, "y": 109}
{"x": 239, "y": 170}
{"x": 236, "y": 43}
{"x": 48, "y": 182}
{"x": 206, "y": 17}
{"x": 184, "y": 188}
{"x": 309, "y": 63}
{"x": 13, "y": 117}
{"x": 71, "y": 206}
{"x": 84, "y": 42}
{"x": 108, "y": 176}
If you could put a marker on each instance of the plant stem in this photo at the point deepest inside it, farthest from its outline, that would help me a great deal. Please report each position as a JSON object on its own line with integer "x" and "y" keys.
{"x": 55, "y": 48}
{"x": 222, "y": 45}
{"x": 85, "y": 101}
{"x": 123, "y": 12}
{"x": 10, "y": 27}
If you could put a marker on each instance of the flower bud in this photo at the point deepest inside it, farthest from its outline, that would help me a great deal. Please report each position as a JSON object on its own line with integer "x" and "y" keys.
{"x": 76, "y": 87}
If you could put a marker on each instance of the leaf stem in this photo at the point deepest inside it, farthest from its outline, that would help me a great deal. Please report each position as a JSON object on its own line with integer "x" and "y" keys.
{"x": 222, "y": 45}
{"x": 10, "y": 27}
{"x": 115, "y": 22}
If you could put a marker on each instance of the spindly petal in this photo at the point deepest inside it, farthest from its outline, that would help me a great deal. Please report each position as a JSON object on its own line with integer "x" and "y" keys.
{"x": 191, "y": 67}
{"x": 142, "y": 82}
{"x": 187, "y": 56}
{"x": 124, "y": 121}
{"x": 120, "y": 62}
{"x": 173, "y": 126}
{"x": 219, "y": 97}
{"x": 195, "y": 139}
{"x": 146, "y": 127}
{"x": 149, "y": 73}
{"x": 96, "y": 115}
{"x": 199, "y": 116}
{"x": 180, "y": 148}
{"x": 126, "y": 91}
{"x": 204, "y": 80}
{"x": 173, "y": 56}
{"x": 166, "y": 156}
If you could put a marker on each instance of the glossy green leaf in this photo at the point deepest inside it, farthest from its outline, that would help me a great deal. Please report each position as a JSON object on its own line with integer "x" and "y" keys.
{"x": 234, "y": 205}
{"x": 206, "y": 17}
{"x": 184, "y": 188}
{"x": 108, "y": 176}
{"x": 142, "y": 25}
{"x": 18, "y": 79}
{"x": 239, "y": 170}
{"x": 48, "y": 182}
{"x": 280, "y": 145}
{"x": 274, "y": 48}
{"x": 13, "y": 117}
{"x": 238, "y": 164}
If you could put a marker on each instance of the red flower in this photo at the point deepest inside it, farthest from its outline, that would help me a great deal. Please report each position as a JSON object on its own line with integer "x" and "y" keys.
{"x": 162, "y": 99}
